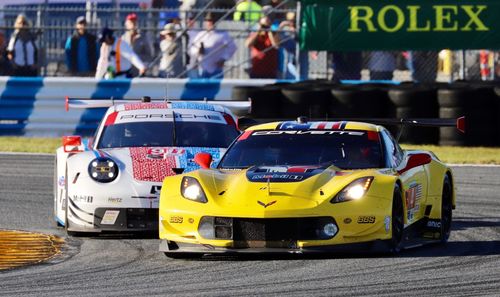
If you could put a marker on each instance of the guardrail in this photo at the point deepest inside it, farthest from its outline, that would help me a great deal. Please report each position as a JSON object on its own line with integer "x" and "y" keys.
{"x": 35, "y": 106}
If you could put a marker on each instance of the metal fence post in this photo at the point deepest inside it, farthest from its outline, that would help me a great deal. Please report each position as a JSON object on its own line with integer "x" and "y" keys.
{"x": 297, "y": 45}
{"x": 463, "y": 65}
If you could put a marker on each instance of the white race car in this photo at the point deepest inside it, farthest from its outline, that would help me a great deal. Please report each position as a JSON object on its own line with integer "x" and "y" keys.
{"x": 113, "y": 182}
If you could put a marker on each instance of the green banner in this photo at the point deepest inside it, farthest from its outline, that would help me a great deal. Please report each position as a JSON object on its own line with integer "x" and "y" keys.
{"x": 341, "y": 25}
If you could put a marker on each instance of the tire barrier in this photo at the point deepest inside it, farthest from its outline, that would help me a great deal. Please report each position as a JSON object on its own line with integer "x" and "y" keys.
{"x": 416, "y": 101}
{"x": 359, "y": 101}
{"x": 313, "y": 102}
{"x": 479, "y": 104}
{"x": 266, "y": 100}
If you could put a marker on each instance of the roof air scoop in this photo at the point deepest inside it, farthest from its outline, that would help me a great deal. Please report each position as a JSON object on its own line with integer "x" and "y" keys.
{"x": 302, "y": 120}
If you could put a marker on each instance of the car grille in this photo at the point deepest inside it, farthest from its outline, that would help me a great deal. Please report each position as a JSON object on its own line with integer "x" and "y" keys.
{"x": 278, "y": 230}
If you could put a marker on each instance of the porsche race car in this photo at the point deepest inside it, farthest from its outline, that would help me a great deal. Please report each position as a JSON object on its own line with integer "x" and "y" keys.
{"x": 113, "y": 182}
{"x": 301, "y": 186}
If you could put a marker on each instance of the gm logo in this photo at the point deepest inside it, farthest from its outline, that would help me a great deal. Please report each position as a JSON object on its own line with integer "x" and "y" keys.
{"x": 266, "y": 205}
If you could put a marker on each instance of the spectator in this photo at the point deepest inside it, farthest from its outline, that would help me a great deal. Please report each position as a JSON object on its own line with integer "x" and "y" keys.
{"x": 288, "y": 42}
{"x": 171, "y": 52}
{"x": 346, "y": 65}
{"x": 191, "y": 63}
{"x": 278, "y": 5}
{"x": 263, "y": 46}
{"x": 423, "y": 65}
{"x": 4, "y": 63}
{"x": 142, "y": 46}
{"x": 21, "y": 50}
{"x": 116, "y": 58}
{"x": 211, "y": 49}
{"x": 248, "y": 10}
{"x": 81, "y": 50}
{"x": 382, "y": 65}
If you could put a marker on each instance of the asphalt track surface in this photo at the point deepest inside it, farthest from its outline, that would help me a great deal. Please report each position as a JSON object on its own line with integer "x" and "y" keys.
{"x": 469, "y": 265}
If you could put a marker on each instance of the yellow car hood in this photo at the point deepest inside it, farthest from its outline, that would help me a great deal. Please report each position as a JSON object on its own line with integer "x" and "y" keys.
{"x": 254, "y": 191}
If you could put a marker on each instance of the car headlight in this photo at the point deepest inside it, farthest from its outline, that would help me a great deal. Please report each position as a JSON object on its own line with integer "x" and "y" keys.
{"x": 354, "y": 191}
{"x": 191, "y": 189}
{"x": 103, "y": 170}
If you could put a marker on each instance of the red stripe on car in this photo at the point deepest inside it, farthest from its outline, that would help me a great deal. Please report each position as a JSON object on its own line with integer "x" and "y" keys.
{"x": 110, "y": 120}
{"x": 245, "y": 135}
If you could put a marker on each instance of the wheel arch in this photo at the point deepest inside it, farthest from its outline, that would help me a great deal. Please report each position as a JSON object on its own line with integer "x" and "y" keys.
{"x": 453, "y": 190}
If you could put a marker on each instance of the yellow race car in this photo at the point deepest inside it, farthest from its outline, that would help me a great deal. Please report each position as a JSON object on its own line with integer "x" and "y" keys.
{"x": 302, "y": 186}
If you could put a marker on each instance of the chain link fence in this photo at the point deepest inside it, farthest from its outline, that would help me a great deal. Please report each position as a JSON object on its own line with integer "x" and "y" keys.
{"x": 53, "y": 24}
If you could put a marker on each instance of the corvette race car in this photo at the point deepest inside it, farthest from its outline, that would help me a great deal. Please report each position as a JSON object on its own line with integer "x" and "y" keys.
{"x": 113, "y": 182}
{"x": 303, "y": 186}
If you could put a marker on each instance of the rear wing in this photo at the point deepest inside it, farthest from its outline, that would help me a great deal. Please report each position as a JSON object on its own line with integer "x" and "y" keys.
{"x": 239, "y": 108}
{"x": 424, "y": 122}
{"x": 458, "y": 123}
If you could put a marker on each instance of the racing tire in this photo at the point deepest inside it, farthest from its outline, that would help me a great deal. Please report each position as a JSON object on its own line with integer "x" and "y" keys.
{"x": 358, "y": 101}
{"x": 265, "y": 103}
{"x": 412, "y": 95}
{"x": 397, "y": 221}
{"x": 312, "y": 102}
{"x": 446, "y": 142}
{"x": 183, "y": 255}
{"x": 455, "y": 95}
{"x": 446, "y": 210}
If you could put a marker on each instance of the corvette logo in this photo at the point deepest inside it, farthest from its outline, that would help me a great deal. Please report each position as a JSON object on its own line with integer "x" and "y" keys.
{"x": 264, "y": 204}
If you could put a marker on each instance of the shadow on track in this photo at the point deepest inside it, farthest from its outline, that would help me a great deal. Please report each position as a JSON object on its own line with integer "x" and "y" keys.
{"x": 460, "y": 224}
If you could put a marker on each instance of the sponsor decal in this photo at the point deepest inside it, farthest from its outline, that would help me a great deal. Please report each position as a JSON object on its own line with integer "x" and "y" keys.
{"x": 387, "y": 224}
{"x": 203, "y": 116}
{"x": 366, "y": 219}
{"x": 434, "y": 224}
{"x": 61, "y": 181}
{"x": 292, "y": 177}
{"x": 145, "y": 105}
{"x": 308, "y": 132}
{"x": 82, "y": 198}
{"x": 193, "y": 105}
{"x": 412, "y": 196}
{"x": 162, "y": 153}
{"x": 265, "y": 205}
{"x": 115, "y": 200}
{"x": 282, "y": 173}
{"x": 347, "y": 220}
{"x": 110, "y": 217}
{"x": 176, "y": 220}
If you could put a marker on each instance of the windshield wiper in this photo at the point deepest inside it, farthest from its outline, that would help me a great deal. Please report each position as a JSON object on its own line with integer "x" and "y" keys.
{"x": 174, "y": 134}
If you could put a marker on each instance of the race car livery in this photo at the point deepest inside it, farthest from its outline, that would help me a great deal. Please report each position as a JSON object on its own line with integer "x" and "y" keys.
{"x": 112, "y": 183}
{"x": 308, "y": 187}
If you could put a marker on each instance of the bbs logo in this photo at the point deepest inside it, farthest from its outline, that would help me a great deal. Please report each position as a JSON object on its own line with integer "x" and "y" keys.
{"x": 366, "y": 219}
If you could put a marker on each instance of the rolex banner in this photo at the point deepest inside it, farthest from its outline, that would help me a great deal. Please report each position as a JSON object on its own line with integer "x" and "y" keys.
{"x": 339, "y": 25}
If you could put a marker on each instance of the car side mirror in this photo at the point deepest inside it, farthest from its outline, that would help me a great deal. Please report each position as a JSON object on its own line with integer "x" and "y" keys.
{"x": 416, "y": 160}
{"x": 72, "y": 144}
{"x": 203, "y": 159}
